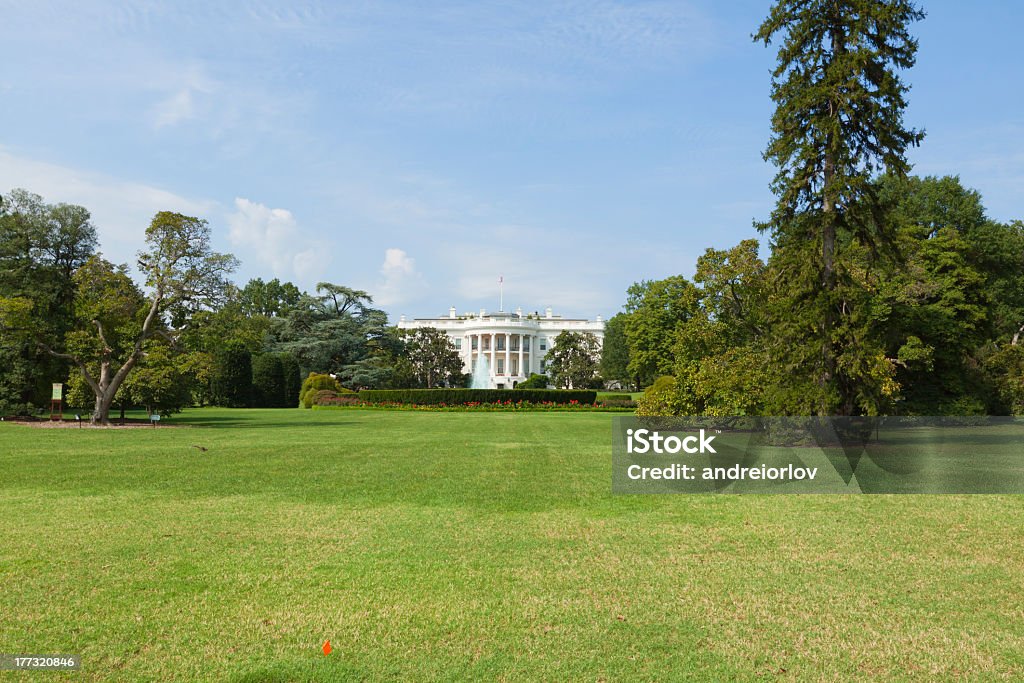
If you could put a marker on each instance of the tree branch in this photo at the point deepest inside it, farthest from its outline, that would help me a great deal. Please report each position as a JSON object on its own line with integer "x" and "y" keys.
{"x": 74, "y": 359}
{"x": 1016, "y": 336}
{"x": 103, "y": 337}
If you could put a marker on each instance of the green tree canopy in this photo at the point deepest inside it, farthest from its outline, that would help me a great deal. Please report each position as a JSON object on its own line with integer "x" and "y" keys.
{"x": 615, "y": 350}
{"x": 572, "y": 363}
{"x": 837, "y": 124}
{"x": 434, "y": 359}
{"x": 116, "y": 321}
{"x": 655, "y": 311}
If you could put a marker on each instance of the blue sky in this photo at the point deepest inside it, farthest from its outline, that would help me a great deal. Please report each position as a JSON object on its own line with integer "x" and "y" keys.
{"x": 419, "y": 150}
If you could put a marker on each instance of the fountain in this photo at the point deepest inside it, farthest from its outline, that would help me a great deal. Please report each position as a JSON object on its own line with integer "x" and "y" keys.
{"x": 481, "y": 374}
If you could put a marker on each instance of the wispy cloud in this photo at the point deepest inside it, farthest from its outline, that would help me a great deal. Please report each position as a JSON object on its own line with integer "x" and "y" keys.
{"x": 187, "y": 86}
{"x": 274, "y": 238}
{"x": 120, "y": 209}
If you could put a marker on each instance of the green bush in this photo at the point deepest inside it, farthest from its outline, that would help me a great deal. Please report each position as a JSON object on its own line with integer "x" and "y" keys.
{"x": 618, "y": 403}
{"x": 292, "y": 377}
{"x": 268, "y": 381}
{"x": 317, "y": 382}
{"x": 463, "y": 396}
{"x": 534, "y": 381}
{"x": 232, "y": 376}
{"x": 333, "y": 399}
{"x": 661, "y": 398}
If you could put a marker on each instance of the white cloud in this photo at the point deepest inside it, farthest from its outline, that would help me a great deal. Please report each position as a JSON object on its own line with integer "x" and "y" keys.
{"x": 175, "y": 109}
{"x": 401, "y": 279}
{"x": 274, "y": 238}
{"x": 181, "y": 104}
{"x": 120, "y": 209}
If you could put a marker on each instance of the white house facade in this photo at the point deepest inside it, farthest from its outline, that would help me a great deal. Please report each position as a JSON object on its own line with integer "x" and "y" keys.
{"x": 513, "y": 344}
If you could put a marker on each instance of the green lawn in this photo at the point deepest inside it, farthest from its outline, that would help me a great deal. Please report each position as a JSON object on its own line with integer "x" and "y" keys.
{"x": 460, "y": 546}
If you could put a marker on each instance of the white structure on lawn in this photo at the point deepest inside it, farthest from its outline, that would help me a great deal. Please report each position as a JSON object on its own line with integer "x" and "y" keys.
{"x": 513, "y": 345}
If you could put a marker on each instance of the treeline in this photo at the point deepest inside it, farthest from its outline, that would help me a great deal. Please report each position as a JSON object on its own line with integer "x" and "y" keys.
{"x": 928, "y": 324}
{"x": 189, "y": 336}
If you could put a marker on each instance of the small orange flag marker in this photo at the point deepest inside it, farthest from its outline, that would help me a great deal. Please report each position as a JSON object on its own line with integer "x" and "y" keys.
{"x": 326, "y": 648}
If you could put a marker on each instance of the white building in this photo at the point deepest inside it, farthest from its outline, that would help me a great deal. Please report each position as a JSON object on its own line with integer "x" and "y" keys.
{"x": 514, "y": 344}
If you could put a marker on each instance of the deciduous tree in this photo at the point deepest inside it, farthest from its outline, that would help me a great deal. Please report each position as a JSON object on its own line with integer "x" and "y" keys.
{"x": 572, "y": 362}
{"x": 116, "y": 321}
{"x": 656, "y": 309}
{"x": 435, "y": 360}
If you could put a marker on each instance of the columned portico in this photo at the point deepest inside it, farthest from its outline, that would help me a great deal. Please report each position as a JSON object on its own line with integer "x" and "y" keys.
{"x": 511, "y": 341}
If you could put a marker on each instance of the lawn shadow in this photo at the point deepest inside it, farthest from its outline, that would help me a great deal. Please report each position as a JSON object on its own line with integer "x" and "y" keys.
{"x": 326, "y": 669}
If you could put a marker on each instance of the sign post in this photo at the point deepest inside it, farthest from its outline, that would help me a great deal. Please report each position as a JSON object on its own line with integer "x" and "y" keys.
{"x": 57, "y": 402}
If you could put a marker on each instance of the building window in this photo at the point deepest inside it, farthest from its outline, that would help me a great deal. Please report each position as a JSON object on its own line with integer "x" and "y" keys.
{"x": 473, "y": 342}
{"x": 487, "y": 343}
{"x": 515, "y": 366}
{"x": 501, "y": 342}
{"x": 543, "y": 366}
{"x": 543, "y": 344}
{"x": 526, "y": 343}
{"x": 514, "y": 344}
{"x": 458, "y": 343}
{"x": 501, "y": 366}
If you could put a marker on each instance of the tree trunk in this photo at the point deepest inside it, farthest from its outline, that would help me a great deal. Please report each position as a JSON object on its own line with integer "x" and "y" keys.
{"x": 107, "y": 387}
{"x": 828, "y": 247}
{"x": 101, "y": 410}
{"x": 828, "y": 250}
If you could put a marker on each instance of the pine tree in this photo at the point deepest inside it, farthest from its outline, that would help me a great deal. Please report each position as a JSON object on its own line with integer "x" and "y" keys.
{"x": 837, "y": 125}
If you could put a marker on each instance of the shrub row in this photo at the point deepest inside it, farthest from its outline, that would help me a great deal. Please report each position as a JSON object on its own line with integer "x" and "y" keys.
{"x": 343, "y": 402}
{"x": 329, "y": 398}
{"x": 618, "y": 403}
{"x": 461, "y": 396}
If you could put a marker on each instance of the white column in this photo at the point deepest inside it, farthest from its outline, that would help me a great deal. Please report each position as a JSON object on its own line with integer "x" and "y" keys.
{"x": 508, "y": 354}
{"x": 522, "y": 370}
{"x": 494, "y": 365}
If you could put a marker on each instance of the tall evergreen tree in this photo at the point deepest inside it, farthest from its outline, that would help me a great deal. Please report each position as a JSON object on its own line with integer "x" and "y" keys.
{"x": 838, "y": 123}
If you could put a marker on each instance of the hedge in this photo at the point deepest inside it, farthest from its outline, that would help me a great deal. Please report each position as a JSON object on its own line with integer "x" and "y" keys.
{"x": 618, "y": 403}
{"x": 461, "y": 396}
{"x": 329, "y": 398}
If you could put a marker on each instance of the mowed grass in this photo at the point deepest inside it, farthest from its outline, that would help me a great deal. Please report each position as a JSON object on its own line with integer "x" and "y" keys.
{"x": 453, "y": 546}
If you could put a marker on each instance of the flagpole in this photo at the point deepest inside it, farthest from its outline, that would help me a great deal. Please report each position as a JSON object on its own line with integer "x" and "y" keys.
{"x": 501, "y": 292}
